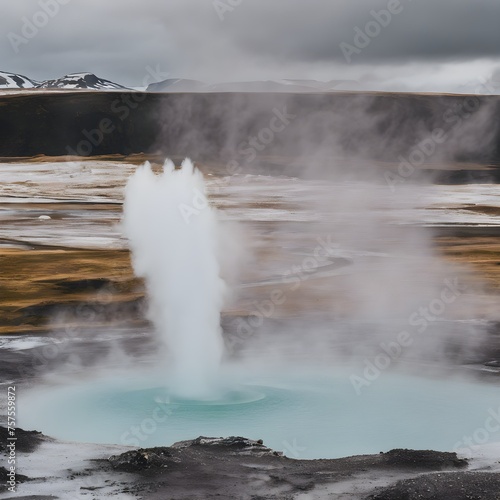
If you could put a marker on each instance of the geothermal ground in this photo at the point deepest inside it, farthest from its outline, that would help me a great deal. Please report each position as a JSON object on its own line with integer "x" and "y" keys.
{"x": 321, "y": 275}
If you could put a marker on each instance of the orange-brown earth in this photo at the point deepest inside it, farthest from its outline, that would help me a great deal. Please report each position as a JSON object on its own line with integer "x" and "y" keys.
{"x": 38, "y": 283}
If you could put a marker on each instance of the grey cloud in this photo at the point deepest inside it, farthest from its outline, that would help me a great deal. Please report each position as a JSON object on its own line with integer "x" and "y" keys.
{"x": 118, "y": 39}
{"x": 443, "y": 29}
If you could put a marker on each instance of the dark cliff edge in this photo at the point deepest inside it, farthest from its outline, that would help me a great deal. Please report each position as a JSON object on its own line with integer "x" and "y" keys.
{"x": 425, "y": 129}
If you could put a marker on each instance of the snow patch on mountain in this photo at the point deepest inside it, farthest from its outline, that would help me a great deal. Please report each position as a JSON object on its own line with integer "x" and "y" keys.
{"x": 13, "y": 81}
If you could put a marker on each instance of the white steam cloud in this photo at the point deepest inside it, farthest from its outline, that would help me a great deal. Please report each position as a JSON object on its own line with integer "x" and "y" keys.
{"x": 175, "y": 248}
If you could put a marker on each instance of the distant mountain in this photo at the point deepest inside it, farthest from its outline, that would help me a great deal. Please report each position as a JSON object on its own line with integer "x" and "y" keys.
{"x": 262, "y": 86}
{"x": 89, "y": 81}
{"x": 81, "y": 81}
{"x": 177, "y": 85}
{"x": 182, "y": 85}
{"x": 13, "y": 81}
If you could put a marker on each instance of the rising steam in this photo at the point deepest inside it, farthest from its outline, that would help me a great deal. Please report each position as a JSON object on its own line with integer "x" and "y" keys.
{"x": 172, "y": 232}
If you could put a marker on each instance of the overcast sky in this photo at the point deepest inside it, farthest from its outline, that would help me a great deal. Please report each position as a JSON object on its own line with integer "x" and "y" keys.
{"x": 426, "y": 44}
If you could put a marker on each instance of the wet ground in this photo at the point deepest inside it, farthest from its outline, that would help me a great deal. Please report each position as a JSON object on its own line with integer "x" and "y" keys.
{"x": 60, "y": 237}
{"x": 359, "y": 256}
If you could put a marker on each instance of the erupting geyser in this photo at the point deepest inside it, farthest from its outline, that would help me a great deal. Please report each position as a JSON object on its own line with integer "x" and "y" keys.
{"x": 173, "y": 234}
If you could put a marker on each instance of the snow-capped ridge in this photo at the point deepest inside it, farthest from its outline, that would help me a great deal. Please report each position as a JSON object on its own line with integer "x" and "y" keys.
{"x": 81, "y": 81}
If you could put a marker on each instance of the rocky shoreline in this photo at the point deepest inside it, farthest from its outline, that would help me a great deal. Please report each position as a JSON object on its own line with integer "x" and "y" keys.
{"x": 239, "y": 468}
